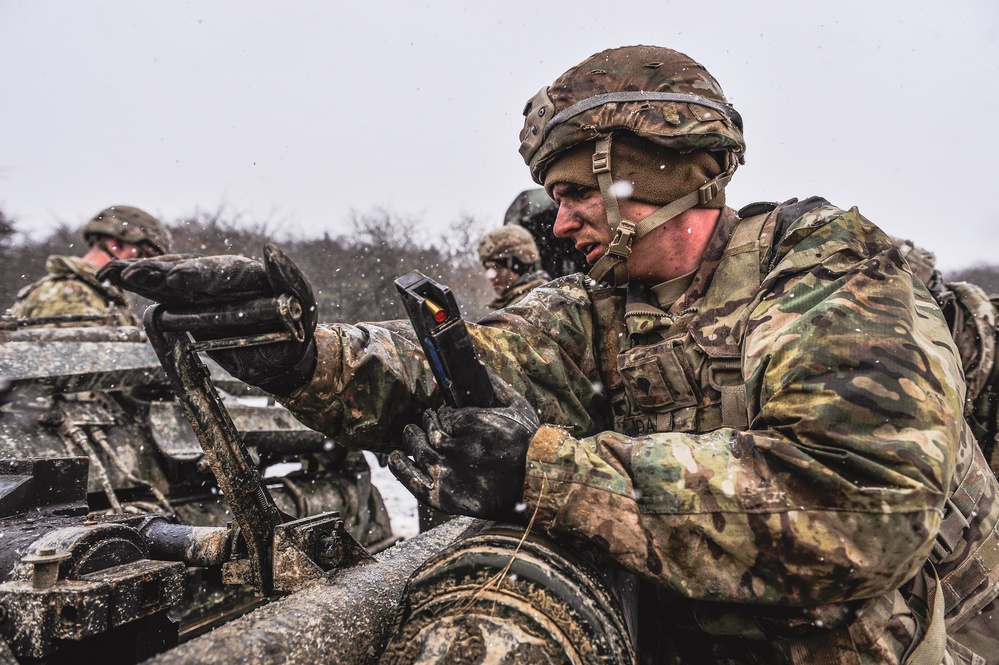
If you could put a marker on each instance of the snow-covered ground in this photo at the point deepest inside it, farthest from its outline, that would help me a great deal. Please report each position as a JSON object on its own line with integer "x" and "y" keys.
{"x": 401, "y": 505}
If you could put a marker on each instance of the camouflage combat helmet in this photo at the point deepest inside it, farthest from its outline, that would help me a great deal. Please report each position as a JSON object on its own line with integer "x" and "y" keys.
{"x": 129, "y": 224}
{"x": 510, "y": 241}
{"x": 655, "y": 93}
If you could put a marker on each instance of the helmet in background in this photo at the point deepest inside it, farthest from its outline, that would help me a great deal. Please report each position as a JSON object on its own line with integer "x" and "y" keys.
{"x": 128, "y": 224}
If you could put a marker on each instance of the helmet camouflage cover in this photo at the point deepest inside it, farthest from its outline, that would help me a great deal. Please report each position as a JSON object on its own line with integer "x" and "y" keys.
{"x": 510, "y": 241}
{"x": 129, "y": 224}
{"x": 657, "y": 93}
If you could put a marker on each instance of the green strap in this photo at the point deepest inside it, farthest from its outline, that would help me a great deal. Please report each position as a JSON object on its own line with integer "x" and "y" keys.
{"x": 699, "y": 196}
{"x": 602, "y": 169}
{"x": 933, "y": 645}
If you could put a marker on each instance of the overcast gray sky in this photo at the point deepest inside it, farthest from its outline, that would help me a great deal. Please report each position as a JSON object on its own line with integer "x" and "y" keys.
{"x": 301, "y": 111}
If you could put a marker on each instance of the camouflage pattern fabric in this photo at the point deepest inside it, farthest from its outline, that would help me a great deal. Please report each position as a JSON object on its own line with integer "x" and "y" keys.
{"x": 972, "y": 316}
{"x": 71, "y": 287}
{"x": 519, "y": 289}
{"x": 791, "y": 536}
{"x": 922, "y": 261}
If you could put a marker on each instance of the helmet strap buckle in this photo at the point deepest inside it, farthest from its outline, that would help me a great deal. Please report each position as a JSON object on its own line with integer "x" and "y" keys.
{"x": 601, "y": 161}
{"x": 708, "y": 191}
{"x": 612, "y": 267}
{"x": 620, "y": 246}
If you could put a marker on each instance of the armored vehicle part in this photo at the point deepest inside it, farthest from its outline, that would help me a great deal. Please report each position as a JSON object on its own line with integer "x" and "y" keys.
{"x": 95, "y": 564}
{"x": 74, "y": 587}
{"x": 101, "y": 394}
{"x": 107, "y": 588}
{"x": 467, "y": 591}
{"x": 346, "y": 619}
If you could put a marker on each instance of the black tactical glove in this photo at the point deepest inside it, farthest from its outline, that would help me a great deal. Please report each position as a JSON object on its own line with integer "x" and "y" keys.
{"x": 469, "y": 461}
{"x": 186, "y": 281}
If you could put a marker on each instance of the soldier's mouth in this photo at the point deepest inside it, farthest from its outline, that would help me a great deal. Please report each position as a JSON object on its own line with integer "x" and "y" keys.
{"x": 592, "y": 250}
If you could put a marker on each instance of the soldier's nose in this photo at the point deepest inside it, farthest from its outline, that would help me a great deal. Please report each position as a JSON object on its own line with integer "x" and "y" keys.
{"x": 566, "y": 222}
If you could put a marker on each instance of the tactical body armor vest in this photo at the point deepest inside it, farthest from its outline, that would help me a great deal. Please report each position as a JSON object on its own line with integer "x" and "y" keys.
{"x": 687, "y": 377}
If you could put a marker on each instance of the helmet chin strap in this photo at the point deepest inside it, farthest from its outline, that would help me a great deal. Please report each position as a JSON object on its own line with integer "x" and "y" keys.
{"x": 612, "y": 267}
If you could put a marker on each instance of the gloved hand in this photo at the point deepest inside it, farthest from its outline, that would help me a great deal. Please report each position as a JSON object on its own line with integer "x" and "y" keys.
{"x": 192, "y": 281}
{"x": 469, "y": 461}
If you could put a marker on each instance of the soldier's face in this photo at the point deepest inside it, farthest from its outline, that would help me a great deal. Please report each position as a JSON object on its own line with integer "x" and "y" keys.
{"x": 126, "y": 250}
{"x": 500, "y": 277}
{"x": 582, "y": 217}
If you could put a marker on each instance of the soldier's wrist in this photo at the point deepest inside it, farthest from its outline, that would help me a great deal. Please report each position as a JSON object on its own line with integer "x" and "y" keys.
{"x": 295, "y": 376}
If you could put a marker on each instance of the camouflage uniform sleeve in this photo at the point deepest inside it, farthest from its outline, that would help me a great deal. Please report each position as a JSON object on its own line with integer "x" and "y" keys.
{"x": 372, "y": 379}
{"x": 836, "y": 490}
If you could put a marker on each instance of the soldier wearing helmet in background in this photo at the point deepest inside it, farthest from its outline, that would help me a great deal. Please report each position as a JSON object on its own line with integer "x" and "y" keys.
{"x": 972, "y": 316}
{"x": 71, "y": 292}
{"x": 534, "y": 210}
{"x": 512, "y": 263}
{"x": 758, "y": 413}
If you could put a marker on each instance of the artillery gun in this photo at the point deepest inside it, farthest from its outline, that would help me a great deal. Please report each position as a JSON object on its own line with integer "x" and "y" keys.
{"x": 132, "y": 521}
{"x": 100, "y": 394}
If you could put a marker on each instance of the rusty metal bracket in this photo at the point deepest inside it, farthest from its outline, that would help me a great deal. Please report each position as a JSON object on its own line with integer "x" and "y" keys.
{"x": 306, "y": 549}
{"x": 39, "y": 614}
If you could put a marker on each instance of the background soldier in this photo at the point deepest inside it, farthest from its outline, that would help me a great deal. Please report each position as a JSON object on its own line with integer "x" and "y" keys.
{"x": 512, "y": 263}
{"x": 972, "y": 317}
{"x": 534, "y": 210}
{"x": 757, "y": 413}
{"x": 71, "y": 291}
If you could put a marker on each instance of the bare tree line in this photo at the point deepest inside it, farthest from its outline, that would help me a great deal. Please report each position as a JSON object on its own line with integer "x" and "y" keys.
{"x": 352, "y": 273}
{"x": 985, "y": 276}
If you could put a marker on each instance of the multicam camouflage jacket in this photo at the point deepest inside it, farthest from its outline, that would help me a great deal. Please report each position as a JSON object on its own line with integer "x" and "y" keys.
{"x": 519, "y": 289}
{"x": 779, "y": 450}
{"x": 71, "y": 289}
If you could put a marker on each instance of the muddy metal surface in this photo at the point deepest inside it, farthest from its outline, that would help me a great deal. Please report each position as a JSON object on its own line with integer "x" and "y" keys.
{"x": 132, "y": 520}
{"x": 346, "y": 620}
{"x": 113, "y": 526}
